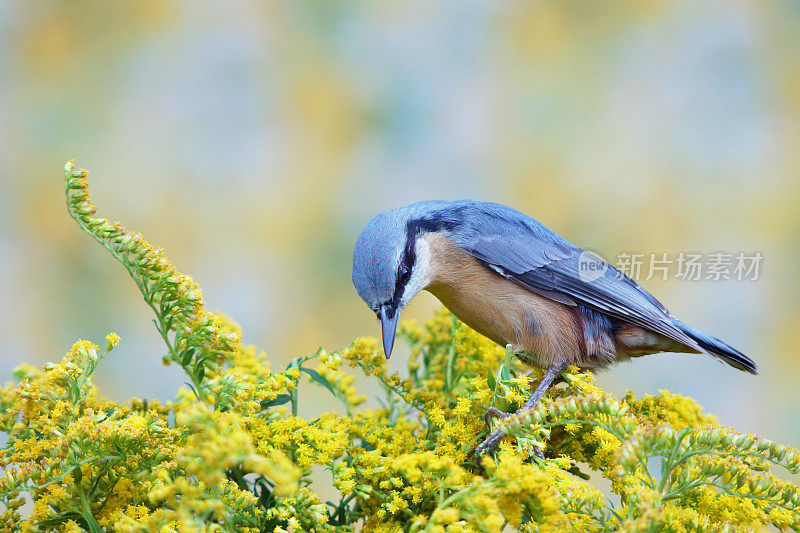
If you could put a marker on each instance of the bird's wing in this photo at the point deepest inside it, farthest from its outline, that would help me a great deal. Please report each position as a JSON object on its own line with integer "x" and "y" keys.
{"x": 528, "y": 253}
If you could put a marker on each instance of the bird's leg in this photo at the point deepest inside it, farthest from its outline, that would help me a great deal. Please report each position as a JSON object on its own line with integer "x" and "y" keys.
{"x": 553, "y": 371}
{"x": 494, "y": 412}
{"x": 491, "y": 442}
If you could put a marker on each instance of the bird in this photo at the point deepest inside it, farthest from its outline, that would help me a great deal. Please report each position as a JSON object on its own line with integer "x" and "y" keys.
{"x": 512, "y": 279}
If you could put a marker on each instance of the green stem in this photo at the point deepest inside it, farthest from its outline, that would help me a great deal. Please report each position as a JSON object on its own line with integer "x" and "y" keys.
{"x": 678, "y": 493}
{"x": 709, "y": 451}
{"x": 148, "y": 297}
{"x": 397, "y": 391}
{"x": 669, "y": 464}
{"x": 94, "y": 527}
{"x": 60, "y": 478}
{"x": 451, "y": 356}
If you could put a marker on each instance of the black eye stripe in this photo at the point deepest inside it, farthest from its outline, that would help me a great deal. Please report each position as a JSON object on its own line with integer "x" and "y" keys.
{"x": 403, "y": 275}
{"x": 413, "y": 229}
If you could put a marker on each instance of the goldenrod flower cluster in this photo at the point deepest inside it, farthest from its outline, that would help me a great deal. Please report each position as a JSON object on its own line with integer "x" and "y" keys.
{"x": 231, "y": 453}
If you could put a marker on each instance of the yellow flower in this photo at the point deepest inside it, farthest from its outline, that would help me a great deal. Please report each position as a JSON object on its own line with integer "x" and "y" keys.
{"x": 112, "y": 339}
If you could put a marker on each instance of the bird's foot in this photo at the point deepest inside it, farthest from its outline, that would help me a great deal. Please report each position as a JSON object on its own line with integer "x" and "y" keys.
{"x": 538, "y": 453}
{"x": 494, "y": 412}
{"x": 488, "y": 446}
{"x": 490, "y": 443}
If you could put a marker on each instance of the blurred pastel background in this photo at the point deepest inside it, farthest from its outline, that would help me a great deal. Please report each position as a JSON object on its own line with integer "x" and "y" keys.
{"x": 253, "y": 141}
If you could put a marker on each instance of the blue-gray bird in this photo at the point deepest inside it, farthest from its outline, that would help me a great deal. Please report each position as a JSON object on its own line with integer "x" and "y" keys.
{"x": 515, "y": 281}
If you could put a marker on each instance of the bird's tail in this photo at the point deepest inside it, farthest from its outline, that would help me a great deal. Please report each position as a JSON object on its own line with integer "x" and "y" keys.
{"x": 719, "y": 349}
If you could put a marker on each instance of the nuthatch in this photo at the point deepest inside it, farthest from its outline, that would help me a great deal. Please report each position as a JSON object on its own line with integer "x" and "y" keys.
{"x": 515, "y": 281}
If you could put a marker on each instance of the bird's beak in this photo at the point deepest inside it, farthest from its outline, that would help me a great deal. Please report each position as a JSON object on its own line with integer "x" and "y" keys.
{"x": 389, "y": 328}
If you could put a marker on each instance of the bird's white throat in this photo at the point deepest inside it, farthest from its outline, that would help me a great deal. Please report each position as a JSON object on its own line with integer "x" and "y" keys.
{"x": 420, "y": 272}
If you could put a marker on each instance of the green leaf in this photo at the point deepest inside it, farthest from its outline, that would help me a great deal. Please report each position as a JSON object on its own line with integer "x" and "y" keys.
{"x": 319, "y": 378}
{"x": 280, "y": 399}
{"x": 505, "y": 373}
{"x": 60, "y": 519}
{"x": 191, "y": 386}
{"x": 187, "y": 357}
{"x": 490, "y": 379}
{"x": 168, "y": 322}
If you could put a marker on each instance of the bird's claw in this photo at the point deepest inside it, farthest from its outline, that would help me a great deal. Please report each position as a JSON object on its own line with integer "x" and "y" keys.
{"x": 490, "y": 443}
{"x": 494, "y": 412}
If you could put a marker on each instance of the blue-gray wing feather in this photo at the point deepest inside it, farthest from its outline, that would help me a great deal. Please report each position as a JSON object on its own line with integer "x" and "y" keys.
{"x": 528, "y": 253}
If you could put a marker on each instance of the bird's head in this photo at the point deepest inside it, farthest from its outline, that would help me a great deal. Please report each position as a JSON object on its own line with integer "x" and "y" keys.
{"x": 391, "y": 263}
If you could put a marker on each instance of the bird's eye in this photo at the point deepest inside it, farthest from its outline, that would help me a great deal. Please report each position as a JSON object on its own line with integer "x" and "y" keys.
{"x": 405, "y": 274}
